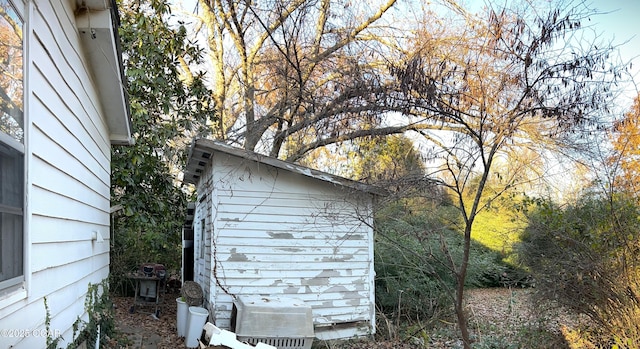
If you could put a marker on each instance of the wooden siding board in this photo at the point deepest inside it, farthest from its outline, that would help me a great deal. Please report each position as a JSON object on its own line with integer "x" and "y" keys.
{"x": 342, "y": 291}
{"x": 307, "y": 222}
{"x": 309, "y": 202}
{"x": 62, "y": 279}
{"x": 250, "y": 228}
{"x": 63, "y": 47}
{"x": 59, "y": 103}
{"x": 47, "y": 150}
{"x": 320, "y": 300}
{"x": 286, "y": 252}
{"x": 348, "y": 312}
{"x": 290, "y": 233}
{"x": 292, "y": 266}
{"x": 228, "y": 187}
{"x": 306, "y": 273}
{"x": 314, "y": 189}
{"x": 291, "y": 281}
{"x": 45, "y": 229}
{"x": 47, "y": 107}
{"x": 54, "y": 205}
{"x": 243, "y": 199}
{"x": 63, "y": 183}
{"x": 269, "y": 256}
{"x": 304, "y": 242}
{"x": 66, "y": 253}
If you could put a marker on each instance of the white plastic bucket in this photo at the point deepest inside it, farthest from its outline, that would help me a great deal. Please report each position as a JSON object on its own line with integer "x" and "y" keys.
{"x": 181, "y": 317}
{"x": 195, "y": 322}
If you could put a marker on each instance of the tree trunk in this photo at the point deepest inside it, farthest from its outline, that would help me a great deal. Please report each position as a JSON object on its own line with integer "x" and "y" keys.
{"x": 460, "y": 281}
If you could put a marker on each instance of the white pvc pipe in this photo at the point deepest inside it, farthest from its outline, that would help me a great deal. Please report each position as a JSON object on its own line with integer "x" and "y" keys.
{"x": 98, "y": 338}
{"x": 226, "y": 338}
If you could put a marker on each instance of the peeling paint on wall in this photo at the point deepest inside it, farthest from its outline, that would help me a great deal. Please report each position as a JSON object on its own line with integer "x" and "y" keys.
{"x": 329, "y": 273}
{"x": 229, "y": 219}
{"x": 354, "y": 301}
{"x": 237, "y": 257}
{"x": 316, "y": 281}
{"x": 291, "y": 290}
{"x": 352, "y": 295}
{"x": 290, "y": 249}
{"x": 280, "y": 235}
{"x": 344, "y": 258}
{"x": 350, "y": 236}
{"x": 337, "y": 289}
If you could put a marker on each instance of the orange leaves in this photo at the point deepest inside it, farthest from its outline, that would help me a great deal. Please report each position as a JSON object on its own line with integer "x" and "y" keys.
{"x": 626, "y": 144}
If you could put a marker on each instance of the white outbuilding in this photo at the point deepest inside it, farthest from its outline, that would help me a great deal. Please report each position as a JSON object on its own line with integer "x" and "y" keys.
{"x": 266, "y": 227}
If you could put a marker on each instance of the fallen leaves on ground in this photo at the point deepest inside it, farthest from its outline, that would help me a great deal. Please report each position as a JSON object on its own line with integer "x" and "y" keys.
{"x": 144, "y": 320}
{"x": 493, "y": 313}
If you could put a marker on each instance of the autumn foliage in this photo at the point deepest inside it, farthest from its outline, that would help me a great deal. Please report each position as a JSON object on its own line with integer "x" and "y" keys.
{"x": 626, "y": 144}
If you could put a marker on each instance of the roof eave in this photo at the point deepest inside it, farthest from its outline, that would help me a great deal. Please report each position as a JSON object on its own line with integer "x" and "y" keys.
{"x": 201, "y": 152}
{"x": 97, "y": 23}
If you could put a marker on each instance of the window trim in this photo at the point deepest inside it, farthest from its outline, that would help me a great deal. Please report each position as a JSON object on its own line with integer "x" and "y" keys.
{"x": 7, "y": 141}
{"x": 15, "y": 289}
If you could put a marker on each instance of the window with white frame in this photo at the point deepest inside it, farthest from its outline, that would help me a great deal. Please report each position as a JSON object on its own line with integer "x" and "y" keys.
{"x": 11, "y": 148}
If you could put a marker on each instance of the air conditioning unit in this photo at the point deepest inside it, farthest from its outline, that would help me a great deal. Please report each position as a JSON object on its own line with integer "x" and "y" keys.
{"x": 282, "y": 322}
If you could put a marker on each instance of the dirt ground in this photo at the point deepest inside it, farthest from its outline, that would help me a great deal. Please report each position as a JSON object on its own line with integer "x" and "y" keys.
{"x": 159, "y": 330}
{"x": 495, "y": 315}
{"x": 507, "y": 315}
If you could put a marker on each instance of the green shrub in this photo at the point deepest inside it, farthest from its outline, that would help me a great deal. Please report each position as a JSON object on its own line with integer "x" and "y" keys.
{"x": 584, "y": 258}
{"x": 130, "y": 248}
{"x": 101, "y": 317}
{"x": 413, "y": 276}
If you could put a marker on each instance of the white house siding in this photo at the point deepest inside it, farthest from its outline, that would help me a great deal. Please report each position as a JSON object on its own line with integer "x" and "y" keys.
{"x": 281, "y": 233}
{"x": 68, "y": 161}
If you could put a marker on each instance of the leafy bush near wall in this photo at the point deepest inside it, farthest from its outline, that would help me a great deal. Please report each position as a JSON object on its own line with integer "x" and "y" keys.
{"x": 583, "y": 258}
{"x": 100, "y": 312}
{"x": 131, "y": 248}
{"x": 101, "y": 318}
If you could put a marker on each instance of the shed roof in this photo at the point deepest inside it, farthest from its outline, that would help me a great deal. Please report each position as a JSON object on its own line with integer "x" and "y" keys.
{"x": 200, "y": 155}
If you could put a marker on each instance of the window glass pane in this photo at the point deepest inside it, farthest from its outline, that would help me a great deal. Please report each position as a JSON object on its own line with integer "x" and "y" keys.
{"x": 11, "y": 245}
{"x": 11, "y": 177}
{"x": 11, "y": 213}
{"x": 11, "y": 91}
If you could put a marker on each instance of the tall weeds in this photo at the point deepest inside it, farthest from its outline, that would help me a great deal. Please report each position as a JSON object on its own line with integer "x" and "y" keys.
{"x": 583, "y": 258}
